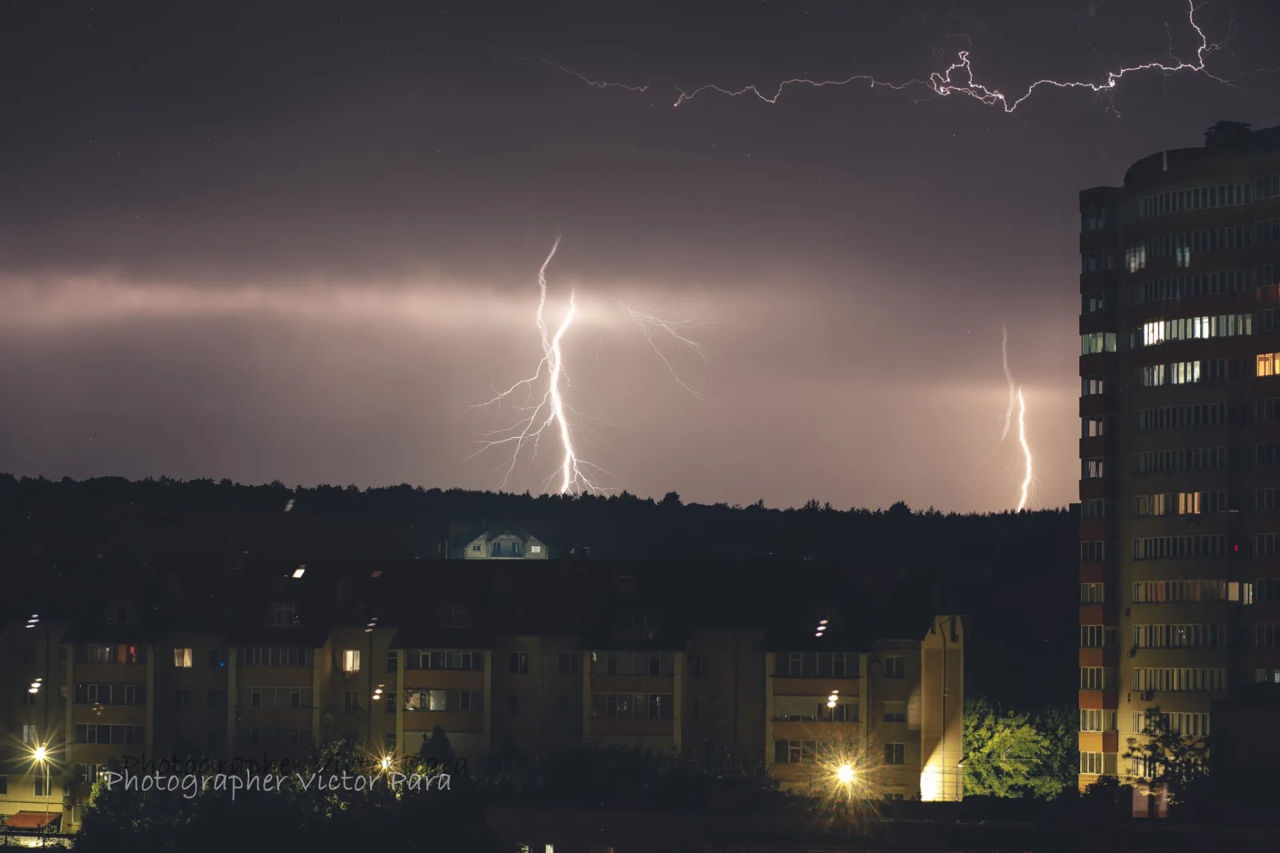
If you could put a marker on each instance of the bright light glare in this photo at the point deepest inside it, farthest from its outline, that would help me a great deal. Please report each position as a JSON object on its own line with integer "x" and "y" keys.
{"x": 844, "y": 774}
{"x": 40, "y": 754}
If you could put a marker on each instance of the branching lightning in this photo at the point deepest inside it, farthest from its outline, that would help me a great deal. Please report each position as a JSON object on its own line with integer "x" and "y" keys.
{"x": 675, "y": 328}
{"x": 550, "y": 413}
{"x": 958, "y": 78}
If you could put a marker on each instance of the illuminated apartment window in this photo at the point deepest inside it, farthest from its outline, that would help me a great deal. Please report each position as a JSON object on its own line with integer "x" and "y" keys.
{"x": 1188, "y": 503}
{"x": 1268, "y": 364}
{"x": 1092, "y": 427}
{"x": 1091, "y": 386}
{"x": 1091, "y": 469}
{"x": 182, "y": 658}
{"x": 1135, "y": 258}
{"x": 350, "y": 660}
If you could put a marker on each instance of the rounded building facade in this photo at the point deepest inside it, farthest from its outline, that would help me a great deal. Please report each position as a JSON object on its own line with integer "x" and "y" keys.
{"x": 1180, "y": 441}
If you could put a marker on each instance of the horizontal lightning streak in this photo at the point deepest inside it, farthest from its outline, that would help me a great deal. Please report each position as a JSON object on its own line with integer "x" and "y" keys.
{"x": 957, "y": 79}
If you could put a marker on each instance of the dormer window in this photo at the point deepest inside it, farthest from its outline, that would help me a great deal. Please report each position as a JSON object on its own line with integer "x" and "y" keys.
{"x": 284, "y": 614}
{"x": 119, "y": 613}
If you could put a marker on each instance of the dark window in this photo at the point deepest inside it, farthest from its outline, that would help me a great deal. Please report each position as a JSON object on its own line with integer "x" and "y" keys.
{"x": 895, "y": 753}
{"x": 519, "y": 663}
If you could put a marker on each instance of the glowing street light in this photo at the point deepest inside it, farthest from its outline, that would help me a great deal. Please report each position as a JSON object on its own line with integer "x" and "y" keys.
{"x": 40, "y": 756}
{"x": 845, "y": 774}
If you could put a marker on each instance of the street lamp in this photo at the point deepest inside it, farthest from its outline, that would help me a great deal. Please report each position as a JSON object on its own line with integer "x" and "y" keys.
{"x": 40, "y": 755}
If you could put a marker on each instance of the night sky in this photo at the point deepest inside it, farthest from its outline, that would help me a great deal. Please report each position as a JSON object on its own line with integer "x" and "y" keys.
{"x": 299, "y": 241}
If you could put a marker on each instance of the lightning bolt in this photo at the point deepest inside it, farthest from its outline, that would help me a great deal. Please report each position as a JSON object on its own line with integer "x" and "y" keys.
{"x": 1026, "y": 450}
{"x": 958, "y": 78}
{"x": 1016, "y": 401}
{"x": 599, "y": 84}
{"x": 675, "y": 328}
{"x": 549, "y": 413}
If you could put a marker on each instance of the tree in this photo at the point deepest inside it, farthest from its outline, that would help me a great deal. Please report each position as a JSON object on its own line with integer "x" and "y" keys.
{"x": 1165, "y": 758}
{"x": 1006, "y": 754}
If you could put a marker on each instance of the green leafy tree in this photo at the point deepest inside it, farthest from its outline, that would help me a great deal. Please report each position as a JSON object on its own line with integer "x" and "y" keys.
{"x": 1007, "y": 755}
{"x": 1164, "y": 757}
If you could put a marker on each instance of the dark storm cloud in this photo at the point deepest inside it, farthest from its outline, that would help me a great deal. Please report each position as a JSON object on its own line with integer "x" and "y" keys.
{"x": 298, "y": 242}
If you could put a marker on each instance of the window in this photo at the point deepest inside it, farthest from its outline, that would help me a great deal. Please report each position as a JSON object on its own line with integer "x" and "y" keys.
{"x": 1097, "y": 593}
{"x": 1092, "y": 469}
{"x": 1097, "y": 678}
{"x": 656, "y": 706}
{"x": 895, "y": 712}
{"x": 1179, "y": 679}
{"x": 1094, "y": 551}
{"x": 569, "y": 663}
{"x": 182, "y": 697}
{"x": 1091, "y": 763}
{"x": 350, "y": 661}
{"x": 535, "y": 549}
{"x": 29, "y": 733}
{"x": 351, "y": 701}
{"x": 895, "y": 666}
{"x": 1095, "y": 720}
{"x": 1135, "y": 258}
{"x": 391, "y": 661}
{"x": 182, "y": 658}
{"x": 794, "y": 751}
{"x": 1091, "y": 386}
{"x": 469, "y": 701}
{"x": 520, "y": 663}
{"x": 1093, "y": 508}
{"x": 216, "y": 659}
{"x": 515, "y": 704}
{"x": 389, "y": 742}
{"x": 1179, "y": 636}
{"x": 217, "y": 698}
{"x": 284, "y": 614}
{"x": 895, "y": 753}
{"x": 695, "y": 707}
{"x": 4, "y": 784}
{"x": 39, "y": 790}
{"x": 1097, "y": 636}
{"x": 817, "y": 664}
{"x": 1092, "y": 343}
{"x": 1092, "y": 427}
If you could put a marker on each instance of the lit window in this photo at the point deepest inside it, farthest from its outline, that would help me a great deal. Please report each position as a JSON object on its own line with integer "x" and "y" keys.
{"x": 182, "y": 658}
{"x": 1267, "y": 364}
{"x": 350, "y": 660}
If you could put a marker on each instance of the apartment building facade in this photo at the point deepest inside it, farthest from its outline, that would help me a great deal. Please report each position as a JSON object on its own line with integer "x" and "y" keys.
{"x": 499, "y": 661}
{"x": 1180, "y": 440}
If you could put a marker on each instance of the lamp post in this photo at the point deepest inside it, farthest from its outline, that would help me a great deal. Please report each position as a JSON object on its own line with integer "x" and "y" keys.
{"x": 41, "y": 757}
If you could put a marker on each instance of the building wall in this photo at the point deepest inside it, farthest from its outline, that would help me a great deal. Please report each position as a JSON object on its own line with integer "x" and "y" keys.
{"x": 1131, "y": 251}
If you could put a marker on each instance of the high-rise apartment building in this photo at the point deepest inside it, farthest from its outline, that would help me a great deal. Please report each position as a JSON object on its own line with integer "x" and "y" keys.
{"x": 1180, "y": 439}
